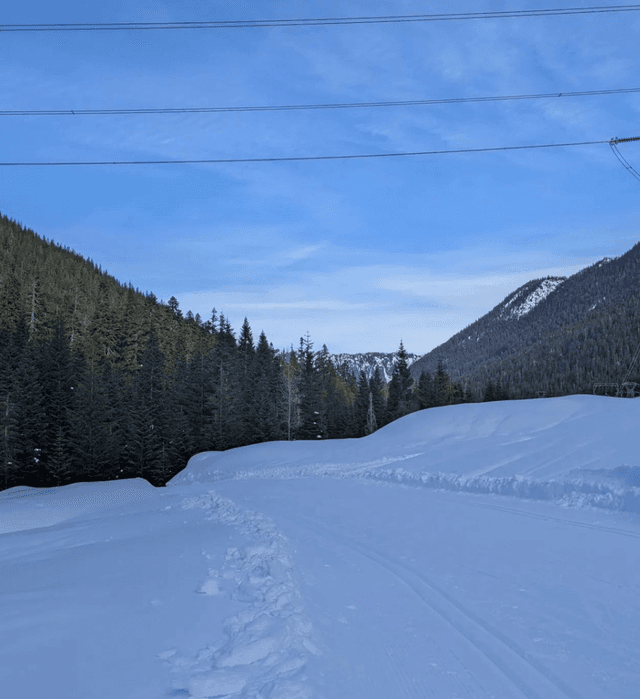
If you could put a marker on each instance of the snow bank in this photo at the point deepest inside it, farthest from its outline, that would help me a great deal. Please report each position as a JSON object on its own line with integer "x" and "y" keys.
{"x": 571, "y": 450}
{"x": 573, "y": 493}
{"x": 24, "y": 508}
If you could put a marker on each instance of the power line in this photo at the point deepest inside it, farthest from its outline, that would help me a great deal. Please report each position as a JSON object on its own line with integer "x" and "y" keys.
{"x": 321, "y": 21}
{"x": 348, "y": 105}
{"x": 301, "y": 158}
{"x": 627, "y": 166}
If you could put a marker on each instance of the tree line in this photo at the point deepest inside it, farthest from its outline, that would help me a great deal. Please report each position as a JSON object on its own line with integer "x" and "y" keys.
{"x": 99, "y": 381}
{"x": 68, "y": 418}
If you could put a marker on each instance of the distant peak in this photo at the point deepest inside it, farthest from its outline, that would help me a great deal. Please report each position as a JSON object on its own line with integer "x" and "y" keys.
{"x": 367, "y": 362}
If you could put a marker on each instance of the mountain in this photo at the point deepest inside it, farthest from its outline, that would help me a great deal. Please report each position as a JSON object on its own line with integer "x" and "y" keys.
{"x": 558, "y": 334}
{"x": 368, "y": 362}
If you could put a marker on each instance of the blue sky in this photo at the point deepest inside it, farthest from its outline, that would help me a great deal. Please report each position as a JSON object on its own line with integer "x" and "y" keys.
{"x": 359, "y": 253}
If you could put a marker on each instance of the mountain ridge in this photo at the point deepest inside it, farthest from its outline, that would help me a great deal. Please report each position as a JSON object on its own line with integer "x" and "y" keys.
{"x": 586, "y": 323}
{"x": 367, "y": 362}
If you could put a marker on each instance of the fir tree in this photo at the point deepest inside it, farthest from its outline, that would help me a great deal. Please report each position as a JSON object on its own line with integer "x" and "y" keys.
{"x": 375, "y": 388}
{"x": 440, "y": 382}
{"x": 194, "y": 382}
{"x": 225, "y": 425}
{"x": 90, "y": 428}
{"x": 147, "y": 400}
{"x": 489, "y": 392}
{"x": 247, "y": 377}
{"x": 174, "y": 307}
{"x": 12, "y": 348}
{"x": 310, "y": 427}
{"x": 361, "y": 406}
{"x": 425, "y": 391}
{"x": 31, "y": 419}
{"x": 372, "y": 423}
{"x": 58, "y": 385}
{"x": 398, "y": 403}
{"x": 265, "y": 424}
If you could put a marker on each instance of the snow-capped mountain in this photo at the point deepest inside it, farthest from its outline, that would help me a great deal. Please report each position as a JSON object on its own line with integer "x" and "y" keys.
{"x": 369, "y": 361}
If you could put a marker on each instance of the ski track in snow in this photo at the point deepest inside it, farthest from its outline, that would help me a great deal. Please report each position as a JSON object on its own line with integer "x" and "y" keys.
{"x": 566, "y": 493}
{"x": 267, "y": 643}
{"x": 530, "y": 677}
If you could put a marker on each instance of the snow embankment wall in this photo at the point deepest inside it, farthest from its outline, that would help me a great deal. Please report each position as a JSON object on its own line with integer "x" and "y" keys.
{"x": 573, "y": 450}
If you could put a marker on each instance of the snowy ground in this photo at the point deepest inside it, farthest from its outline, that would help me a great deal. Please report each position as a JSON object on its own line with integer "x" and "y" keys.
{"x": 474, "y": 551}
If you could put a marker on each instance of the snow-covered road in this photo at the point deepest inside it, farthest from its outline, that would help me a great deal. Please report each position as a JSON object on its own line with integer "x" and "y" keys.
{"x": 418, "y": 593}
{"x": 339, "y": 570}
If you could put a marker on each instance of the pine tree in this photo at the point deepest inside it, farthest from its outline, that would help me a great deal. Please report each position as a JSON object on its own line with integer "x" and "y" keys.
{"x": 31, "y": 419}
{"x": 334, "y": 404}
{"x": 148, "y": 394}
{"x": 35, "y": 316}
{"x": 425, "y": 391}
{"x": 489, "y": 392}
{"x": 247, "y": 377}
{"x": 194, "y": 382}
{"x": 361, "y": 406}
{"x": 225, "y": 424}
{"x": 440, "y": 382}
{"x": 372, "y": 423}
{"x": 267, "y": 389}
{"x": 174, "y": 307}
{"x": 90, "y": 430}
{"x": 310, "y": 427}
{"x": 399, "y": 400}
{"x": 101, "y": 339}
{"x": 375, "y": 387}
{"x": 58, "y": 385}
{"x": 10, "y": 308}
{"x": 325, "y": 373}
{"x": 12, "y": 348}
{"x": 116, "y": 413}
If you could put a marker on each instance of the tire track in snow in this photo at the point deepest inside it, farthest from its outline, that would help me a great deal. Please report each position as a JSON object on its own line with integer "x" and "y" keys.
{"x": 532, "y": 678}
{"x": 267, "y": 643}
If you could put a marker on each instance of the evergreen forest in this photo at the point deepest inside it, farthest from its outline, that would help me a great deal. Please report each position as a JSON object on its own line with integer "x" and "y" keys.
{"x": 99, "y": 381}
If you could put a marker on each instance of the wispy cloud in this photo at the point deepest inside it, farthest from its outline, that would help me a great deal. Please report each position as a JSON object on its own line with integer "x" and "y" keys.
{"x": 358, "y": 252}
{"x": 418, "y": 301}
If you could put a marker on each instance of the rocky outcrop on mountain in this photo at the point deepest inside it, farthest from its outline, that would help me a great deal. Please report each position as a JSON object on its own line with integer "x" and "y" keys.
{"x": 368, "y": 362}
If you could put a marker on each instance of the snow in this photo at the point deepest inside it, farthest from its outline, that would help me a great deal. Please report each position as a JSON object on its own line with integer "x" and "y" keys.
{"x": 466, "y": 552}
{"x": 369, "y": 362}
{"x": 527, "y": 304}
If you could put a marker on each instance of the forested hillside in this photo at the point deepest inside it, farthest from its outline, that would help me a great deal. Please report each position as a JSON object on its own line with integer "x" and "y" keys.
{"x": 100, "y": 381}
{"x": 556, "y": 335}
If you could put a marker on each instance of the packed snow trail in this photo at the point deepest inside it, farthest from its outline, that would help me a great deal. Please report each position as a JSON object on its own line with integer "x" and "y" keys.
{"x": 422, "y": 594}
{"x": 269, "y": 641}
